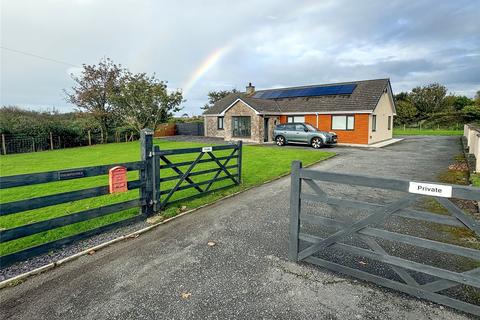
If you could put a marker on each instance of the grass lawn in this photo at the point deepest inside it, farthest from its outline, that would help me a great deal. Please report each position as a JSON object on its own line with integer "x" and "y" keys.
{"x": 475, "y": 178}
{"x": 260, "y": 164}
{"x": 426, "y": 132}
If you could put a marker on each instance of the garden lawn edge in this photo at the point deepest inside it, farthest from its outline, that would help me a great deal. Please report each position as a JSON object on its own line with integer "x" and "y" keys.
{"x": 22, "y": 277}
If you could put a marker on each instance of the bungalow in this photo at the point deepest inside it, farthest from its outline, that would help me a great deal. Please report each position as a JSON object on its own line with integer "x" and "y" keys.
{"x": 360, "y": 112}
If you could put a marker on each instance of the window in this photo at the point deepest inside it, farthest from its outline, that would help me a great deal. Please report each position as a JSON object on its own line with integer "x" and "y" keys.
{"x": 220, "y": 123}
{"x": 299, "y": 127}
{"x": 374, "y": 123}
{"x": 290, "y": 127}
{"x": 311, "y": 128}
{"x": 291, "y": 119}
{"x": 241, "y": 127}
{"x": 389, "y": 122}
{"x": 343, "y": 122}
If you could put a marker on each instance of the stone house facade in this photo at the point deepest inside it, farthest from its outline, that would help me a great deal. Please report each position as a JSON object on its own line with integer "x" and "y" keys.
{"x": 240, "y": 109}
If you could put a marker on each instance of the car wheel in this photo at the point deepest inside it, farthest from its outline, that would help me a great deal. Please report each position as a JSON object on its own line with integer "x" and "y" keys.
{"x": 317, "y": 143}
{"x": 280, "y": 141}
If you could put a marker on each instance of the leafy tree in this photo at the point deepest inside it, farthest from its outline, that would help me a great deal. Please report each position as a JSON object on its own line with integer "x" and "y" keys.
{"x": 428, "y": 99}
{"x": 95, "y": 91}
{"x": 143, "y": 101}
{"x": 471, "y": 113}
{"x": 461, "y": 102}
{"x": 214, "y": 96}
{"x": 401, "y": 96}
{"x": 406, "y": 112}
{"x": 477, "y": 98}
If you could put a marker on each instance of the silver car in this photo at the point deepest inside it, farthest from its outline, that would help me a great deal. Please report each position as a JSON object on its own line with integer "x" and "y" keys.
{"x": 303, "y": 133}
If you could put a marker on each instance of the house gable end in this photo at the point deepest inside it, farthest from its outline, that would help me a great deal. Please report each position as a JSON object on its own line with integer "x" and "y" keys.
{"x": 235, "y": 103}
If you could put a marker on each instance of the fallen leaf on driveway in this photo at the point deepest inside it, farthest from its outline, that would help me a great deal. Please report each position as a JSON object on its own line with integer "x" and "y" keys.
{"x": 91, "y": 252}
{"x": 186, "y": 295}
{"x": 211, "y": 243}
{"x": 362, "y": 263}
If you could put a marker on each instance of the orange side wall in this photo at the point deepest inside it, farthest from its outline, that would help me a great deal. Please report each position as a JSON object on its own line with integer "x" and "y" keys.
{"x": 358, "y": 136}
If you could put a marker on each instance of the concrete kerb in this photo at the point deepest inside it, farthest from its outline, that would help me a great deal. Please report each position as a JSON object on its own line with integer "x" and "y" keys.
{"x": 22, "y": 277}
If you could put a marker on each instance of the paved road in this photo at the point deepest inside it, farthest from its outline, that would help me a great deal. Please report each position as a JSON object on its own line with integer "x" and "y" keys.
{"x": 245, "y": 276}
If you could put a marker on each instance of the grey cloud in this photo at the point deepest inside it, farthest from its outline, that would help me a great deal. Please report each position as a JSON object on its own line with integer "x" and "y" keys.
{"x": 272, "y": 43}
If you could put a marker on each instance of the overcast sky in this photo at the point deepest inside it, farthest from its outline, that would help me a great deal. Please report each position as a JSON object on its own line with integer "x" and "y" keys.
{"x": 199, "y": 46}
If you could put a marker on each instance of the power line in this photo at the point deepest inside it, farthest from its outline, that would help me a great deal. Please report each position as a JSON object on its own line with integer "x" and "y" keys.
{"x": 39, "y": 57}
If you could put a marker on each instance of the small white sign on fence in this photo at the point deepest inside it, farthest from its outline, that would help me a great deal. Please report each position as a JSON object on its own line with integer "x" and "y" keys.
{"x": 207, "y": 149}
{"x": 429, "y": 189}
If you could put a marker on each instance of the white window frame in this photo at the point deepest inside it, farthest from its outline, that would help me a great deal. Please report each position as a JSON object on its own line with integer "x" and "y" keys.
{"x": 220, "y": 127}
{"x": 296, "y": 119}
{"x": 347, "y": 122}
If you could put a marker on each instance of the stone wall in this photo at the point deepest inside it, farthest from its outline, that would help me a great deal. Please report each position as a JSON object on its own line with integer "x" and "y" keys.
{"x": 256, "y": 122}
{"x": 241, "y": 109}
{"x": 211, "y": 127}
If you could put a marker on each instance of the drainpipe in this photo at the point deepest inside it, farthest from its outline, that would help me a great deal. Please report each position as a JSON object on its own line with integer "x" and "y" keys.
{"x": 317, "y": 118}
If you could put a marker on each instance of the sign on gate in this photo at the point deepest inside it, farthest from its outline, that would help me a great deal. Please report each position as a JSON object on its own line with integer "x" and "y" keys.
{"x": 164, "y": 178}
{"x": 429, "y": 189}
{"x": 324, "y": 237}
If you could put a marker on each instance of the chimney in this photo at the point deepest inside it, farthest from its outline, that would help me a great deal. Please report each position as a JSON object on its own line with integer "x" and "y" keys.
{"x": 250, "y": 89}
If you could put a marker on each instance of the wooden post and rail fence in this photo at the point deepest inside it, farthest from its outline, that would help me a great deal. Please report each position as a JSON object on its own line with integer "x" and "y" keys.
{"x": 166, "y": 177}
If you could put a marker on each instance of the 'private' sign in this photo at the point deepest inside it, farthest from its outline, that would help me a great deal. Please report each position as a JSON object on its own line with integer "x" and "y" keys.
{"x": 437, "y": 190}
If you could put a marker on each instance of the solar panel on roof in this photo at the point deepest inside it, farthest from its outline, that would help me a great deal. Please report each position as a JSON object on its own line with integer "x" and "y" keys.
{"x": 306, "y": 92}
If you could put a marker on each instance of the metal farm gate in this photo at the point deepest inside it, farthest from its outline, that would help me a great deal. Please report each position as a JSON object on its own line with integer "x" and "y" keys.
{"x": 165, "y": 177}
{"x": 372, "y": 241}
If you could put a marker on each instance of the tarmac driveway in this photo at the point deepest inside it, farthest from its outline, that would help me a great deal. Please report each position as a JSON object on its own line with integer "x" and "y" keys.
{"x": 171, "y": 272}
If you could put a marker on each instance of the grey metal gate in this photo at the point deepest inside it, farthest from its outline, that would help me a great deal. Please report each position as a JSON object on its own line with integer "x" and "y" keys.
{"x": 369, "y": 238}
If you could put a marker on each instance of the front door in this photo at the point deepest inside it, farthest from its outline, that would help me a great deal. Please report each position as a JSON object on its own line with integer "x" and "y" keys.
{"x": 265, "y": 129}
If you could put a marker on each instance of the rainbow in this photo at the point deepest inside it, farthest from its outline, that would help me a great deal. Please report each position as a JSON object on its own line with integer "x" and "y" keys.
{"x": 206, "y": 65}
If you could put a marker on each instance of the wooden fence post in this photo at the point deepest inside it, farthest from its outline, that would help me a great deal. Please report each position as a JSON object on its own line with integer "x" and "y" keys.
{"x": 51, "y": 141}
{"x": 156, "y": 178}
{"x": 59, "y": 143}
{"x": 89, "y": 138}
{"x": 4, "y": 149}
{"x": 126, "y": 137}
{"x": 239, "y": 161}
{"x": 33, "y": 144}
{"x": 101, "y": 135}
{"x": 146, "y": 174}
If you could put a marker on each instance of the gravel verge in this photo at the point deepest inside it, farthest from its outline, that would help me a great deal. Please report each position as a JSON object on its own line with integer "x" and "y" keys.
{"x": 67, "y": 250}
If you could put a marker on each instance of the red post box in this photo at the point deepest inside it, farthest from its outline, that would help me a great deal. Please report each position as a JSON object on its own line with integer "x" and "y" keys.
{"x": 117, "y": 178}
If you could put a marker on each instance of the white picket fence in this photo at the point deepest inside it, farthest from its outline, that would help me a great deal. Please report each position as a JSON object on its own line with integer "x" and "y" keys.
{"x": 472, "y": 133}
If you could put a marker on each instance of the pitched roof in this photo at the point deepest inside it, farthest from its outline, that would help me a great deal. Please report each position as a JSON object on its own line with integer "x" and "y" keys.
{"x": 364, "y": 98}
